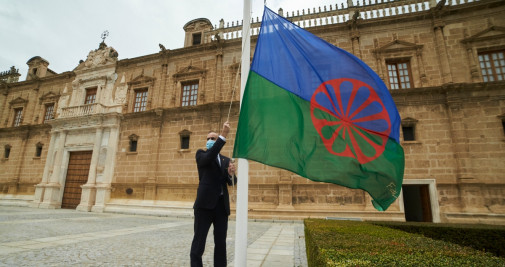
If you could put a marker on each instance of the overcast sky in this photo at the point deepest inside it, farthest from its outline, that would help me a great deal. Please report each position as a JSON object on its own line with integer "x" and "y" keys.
{"x": 65, "y": 31}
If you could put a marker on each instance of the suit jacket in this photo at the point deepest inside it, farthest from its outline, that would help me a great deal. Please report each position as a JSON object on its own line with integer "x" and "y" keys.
{"x": 213, "y": 177}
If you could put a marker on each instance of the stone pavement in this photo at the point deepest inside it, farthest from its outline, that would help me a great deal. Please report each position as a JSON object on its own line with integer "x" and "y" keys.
{"x": 41, "y": 237}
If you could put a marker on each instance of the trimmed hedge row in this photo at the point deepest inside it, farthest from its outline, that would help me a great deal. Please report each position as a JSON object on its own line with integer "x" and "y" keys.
{"x": 351, "y": 243}
{"x": 488, "y": 238}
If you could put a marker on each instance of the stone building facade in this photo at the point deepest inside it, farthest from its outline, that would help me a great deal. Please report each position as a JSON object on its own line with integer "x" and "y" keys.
{"x": 120, "y": 135}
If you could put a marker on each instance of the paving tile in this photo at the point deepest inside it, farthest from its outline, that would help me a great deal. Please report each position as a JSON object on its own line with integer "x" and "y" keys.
{"x": 45, "y": 237}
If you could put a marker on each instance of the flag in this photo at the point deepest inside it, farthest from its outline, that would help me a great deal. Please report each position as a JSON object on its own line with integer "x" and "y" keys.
{"x": 316, "y": 110}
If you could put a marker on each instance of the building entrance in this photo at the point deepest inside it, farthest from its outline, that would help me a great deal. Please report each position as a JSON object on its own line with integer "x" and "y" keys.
{"x": 77, "y": 175}
{"x": 416, "y": 200}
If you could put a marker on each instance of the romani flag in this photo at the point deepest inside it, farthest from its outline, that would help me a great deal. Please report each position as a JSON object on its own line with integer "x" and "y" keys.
{"x": 316, "y": 110}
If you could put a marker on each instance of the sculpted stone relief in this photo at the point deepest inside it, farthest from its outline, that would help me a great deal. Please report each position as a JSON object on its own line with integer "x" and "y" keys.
{"x": 101, "y": 57}
{"x": 119, "y": 93}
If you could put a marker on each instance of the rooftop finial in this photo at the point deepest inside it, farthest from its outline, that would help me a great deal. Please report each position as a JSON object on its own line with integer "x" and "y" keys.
{"x": 104, "y": 35}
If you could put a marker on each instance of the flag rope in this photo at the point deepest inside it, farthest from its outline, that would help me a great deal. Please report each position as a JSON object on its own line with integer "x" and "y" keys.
{"x": 234, "y": 87}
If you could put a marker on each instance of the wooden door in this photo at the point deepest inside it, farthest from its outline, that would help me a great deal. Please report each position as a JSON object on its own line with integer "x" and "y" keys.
{"x": 77, "y": 175}
{"x": 417, "y": 204}
{"x": 426, "y": 203}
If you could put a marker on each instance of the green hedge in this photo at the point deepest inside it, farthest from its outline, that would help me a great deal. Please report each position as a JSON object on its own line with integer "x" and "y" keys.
{"x": 488, "y": 238}
{"x": 351, "y": 243}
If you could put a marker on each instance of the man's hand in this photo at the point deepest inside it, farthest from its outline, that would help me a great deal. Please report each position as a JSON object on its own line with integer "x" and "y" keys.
{"x": 231, "y": 169}
{"x": 226, "y": 129}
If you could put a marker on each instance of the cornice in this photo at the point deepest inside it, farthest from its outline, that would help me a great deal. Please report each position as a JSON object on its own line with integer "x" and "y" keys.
{"x": 86, "y": 122}
{"x": 176, "y": 111}
{"x": 40, "y": 81}
{"x": 449, "y": 93}
{"x": 23, "y": 129}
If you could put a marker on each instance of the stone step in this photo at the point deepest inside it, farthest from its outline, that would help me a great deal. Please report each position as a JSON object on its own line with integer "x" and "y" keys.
{"x": 156, "y": 208}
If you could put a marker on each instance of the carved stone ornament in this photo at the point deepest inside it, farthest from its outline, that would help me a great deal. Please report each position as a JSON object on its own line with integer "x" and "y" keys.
{"x": 99, "y": 57}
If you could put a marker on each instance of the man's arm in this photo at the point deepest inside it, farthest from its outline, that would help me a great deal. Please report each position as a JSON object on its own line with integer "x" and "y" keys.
{"x": 206, "y": 157}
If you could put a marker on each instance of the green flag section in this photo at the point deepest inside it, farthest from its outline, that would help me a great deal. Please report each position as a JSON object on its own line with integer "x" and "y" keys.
{"x": 276, "y": 128}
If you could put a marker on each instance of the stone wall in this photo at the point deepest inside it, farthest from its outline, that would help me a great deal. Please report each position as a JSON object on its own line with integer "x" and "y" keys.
{"x": 459, "y": 145}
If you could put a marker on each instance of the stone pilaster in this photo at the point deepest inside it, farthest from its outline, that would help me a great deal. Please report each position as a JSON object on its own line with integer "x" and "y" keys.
{"x": 13, "y": 184}
{"x": 285, "y": 190}
{"x": 442, "y": 52}
{"x": 41, "y": 187}
{"x": 89, "y": 189}
{"x": 52, "y": 192}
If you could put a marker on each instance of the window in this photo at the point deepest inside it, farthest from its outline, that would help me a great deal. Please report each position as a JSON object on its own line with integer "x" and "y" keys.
{"x": 133, "y": 142}
{"x": 503, "y": 125}
{"x": 185, "y": 137}
{"x": 184, "y": 142}
{"x": 7, "y": 151}
{"x": 399, "y": 75}
{"x": 140, "y": 100}
{"x": 197, "y": 38}
{"x": 34, "y": 71}
{"x": 49, "y": 113}
{"x": 409, "y": 129}
{"x": 492, "y": 66}
{"x": 408, "y": 133}
{"x": 38, "y": 150}
{"x": 133, "y": 145}
{"x": 18, "y": 116}
{"x": 90, "y": 96}
{"x": 189, "y": 94}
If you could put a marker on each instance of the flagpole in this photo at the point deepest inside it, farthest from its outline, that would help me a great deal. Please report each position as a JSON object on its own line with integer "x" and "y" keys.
{"x": 243, "y": 166}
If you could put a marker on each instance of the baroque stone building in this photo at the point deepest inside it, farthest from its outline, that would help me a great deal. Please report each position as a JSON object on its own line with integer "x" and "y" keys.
{"x": 120, "y": 135}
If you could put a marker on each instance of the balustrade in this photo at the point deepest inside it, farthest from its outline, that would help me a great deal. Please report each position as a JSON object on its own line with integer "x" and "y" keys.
{"x": 88, "y": 109}
{"x": 368, "y": 9}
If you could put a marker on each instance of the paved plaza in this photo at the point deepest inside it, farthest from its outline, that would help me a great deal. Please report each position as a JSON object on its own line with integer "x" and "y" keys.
{"x": 41, "y": 237}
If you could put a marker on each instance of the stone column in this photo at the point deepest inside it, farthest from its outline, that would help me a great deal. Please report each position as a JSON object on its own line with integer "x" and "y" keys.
{"x": 89, "y": 189}
{"x": 52, "y": 195}
{"x": 40, "y": 188}
{"x": 103, "y": 188}
{"x": 442, "y": 52}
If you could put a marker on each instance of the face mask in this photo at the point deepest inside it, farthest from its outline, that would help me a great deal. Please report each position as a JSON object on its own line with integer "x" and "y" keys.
{"x": 210, "y": 143}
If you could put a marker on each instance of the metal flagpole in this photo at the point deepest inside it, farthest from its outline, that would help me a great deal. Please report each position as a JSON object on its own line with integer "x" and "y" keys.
{"x": 243, "y": 165}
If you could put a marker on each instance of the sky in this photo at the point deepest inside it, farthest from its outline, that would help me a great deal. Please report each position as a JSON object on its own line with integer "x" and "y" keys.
{"x": 65, "y": 31}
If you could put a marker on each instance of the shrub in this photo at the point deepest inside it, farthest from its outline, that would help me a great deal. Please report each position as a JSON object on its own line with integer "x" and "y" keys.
{"x": 488, "y": 238}
{"x": 351, "y": 243}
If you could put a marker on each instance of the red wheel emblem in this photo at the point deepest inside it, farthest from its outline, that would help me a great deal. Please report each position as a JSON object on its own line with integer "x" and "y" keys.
{"x": 350, "y": 118}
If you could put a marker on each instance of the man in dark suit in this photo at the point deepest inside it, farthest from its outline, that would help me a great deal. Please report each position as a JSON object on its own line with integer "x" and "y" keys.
{"x": 212, "y": 204}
